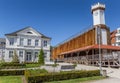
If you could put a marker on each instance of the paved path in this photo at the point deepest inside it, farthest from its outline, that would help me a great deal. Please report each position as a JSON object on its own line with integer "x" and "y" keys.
{"x": 108, "y": 80}
{"x": 114, "y": 74}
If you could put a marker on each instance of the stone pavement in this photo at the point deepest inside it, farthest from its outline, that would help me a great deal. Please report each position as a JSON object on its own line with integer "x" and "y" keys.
{"x": 113, "y": 73}
{"x": 108, "y": 80}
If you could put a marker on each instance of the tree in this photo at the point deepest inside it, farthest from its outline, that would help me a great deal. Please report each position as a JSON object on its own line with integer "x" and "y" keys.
{"x": 41, "y": 57}
{"x": 15, "y": 58}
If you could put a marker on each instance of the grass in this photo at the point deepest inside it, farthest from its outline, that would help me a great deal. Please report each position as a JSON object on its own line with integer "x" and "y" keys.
{"x": 32, "y": 65}
{"x": 10, "y": 79}
{"x": 37, "y": 71}
{"x": 18, "y": 79}
{"x": 79, "y": 80}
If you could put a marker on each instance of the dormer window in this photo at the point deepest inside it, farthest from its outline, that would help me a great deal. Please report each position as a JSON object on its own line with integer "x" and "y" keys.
{"x": 29, "y": 32}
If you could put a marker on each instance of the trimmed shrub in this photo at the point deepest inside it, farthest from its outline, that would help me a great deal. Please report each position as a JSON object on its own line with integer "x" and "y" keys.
{"x": 11, "y": 72}
{"x": 46, "y": 77}
{"x": 12, "y": 65}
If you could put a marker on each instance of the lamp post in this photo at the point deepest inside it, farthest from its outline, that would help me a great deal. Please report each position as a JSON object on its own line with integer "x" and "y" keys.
{"x": 99, "y": 39}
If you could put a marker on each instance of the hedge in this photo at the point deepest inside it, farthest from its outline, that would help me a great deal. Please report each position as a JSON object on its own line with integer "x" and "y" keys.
{"x": 12, "y": 65}
{"x": 11, "y": 72}
{"x": 60, "y": 76}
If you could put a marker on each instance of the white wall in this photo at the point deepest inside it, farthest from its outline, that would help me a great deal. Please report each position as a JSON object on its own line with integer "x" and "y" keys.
{"x": 104, "y": 36}
{"x": 98, "y": 17}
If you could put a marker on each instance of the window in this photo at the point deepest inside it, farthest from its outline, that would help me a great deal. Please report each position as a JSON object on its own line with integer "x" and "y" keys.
{"x": 29, "y": 32}
{"x": 118, "y": 38}
{"x": 36, "y": 54}
{"x": 118, "y": 31}
{"x": 2, "y": 43}
{"x": 36, "y": 42}
{"x": 45, "y": 55}
{"x": 29, "y": 42}
{"x": 21, "y": 41}
{"x": 11, "y": 41}
{"x": 45, "y": 43}
{"x": 10, "y": 54}
{"x": 21, "y": 53}
{"x": 118, "y": 43}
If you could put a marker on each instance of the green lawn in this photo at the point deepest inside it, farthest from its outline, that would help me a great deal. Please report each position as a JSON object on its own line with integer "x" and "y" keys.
{"x": 37, "y": 71}
{"x": 10, "y": 79}
{"x": 18, "y": 79}
{"x": 32, "y": 65}
{"x": 79, "y": 80}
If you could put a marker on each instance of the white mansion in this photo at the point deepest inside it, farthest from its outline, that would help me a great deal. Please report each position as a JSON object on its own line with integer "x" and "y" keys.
{"x": 27, "y": 43}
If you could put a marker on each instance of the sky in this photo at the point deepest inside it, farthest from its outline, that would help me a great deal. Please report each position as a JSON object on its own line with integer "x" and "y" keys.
{"x": 58, "y": 19}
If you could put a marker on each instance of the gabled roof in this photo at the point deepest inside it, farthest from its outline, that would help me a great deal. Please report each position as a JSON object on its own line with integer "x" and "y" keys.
{"x": 15, "y": 33}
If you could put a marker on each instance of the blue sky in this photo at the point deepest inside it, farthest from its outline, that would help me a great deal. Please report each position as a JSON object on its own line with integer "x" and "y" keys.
{"x": 58, "y": 19}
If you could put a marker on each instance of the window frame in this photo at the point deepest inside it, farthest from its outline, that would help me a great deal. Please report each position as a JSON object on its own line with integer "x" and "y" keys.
{"x": 29, "y": 42}
{"x": 21, "y": 41}
{"x": 36, "y": 55}
{"x": 10, "y": 54}
{"x": 11, "y": 41}
{"x": 45, "y": 43}
{"x": 36, "y": 42}
{"x": 20, "y": 53}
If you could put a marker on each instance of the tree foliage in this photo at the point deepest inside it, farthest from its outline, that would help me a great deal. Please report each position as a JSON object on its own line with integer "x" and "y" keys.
{"x": 41, "y": 57}
{"x": 15, "y": 58}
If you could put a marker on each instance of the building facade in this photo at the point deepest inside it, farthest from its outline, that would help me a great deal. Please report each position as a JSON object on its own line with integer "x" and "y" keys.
{"x": 2, "y": 48}
{"x": 91, "y": 45}
{"x": 26, "y": 43}
{"x": 115, "y": 37}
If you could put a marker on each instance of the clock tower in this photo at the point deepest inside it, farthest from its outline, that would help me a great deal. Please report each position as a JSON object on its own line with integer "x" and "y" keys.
{"x": 98, "y": 14}
{"x": 102, "y": 31}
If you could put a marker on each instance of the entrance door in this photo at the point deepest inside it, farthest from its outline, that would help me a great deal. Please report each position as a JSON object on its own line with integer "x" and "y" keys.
{"x": 28, "y": 56}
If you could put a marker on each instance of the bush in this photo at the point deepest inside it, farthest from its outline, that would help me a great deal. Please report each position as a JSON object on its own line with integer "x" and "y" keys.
{"x": 11, "y": 72}
{"x": 46, "y": 77}
{"x": 12, "y": 65}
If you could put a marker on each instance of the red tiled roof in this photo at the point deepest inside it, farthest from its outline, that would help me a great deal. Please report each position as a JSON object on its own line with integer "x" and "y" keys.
{"x": 109, "y": 47}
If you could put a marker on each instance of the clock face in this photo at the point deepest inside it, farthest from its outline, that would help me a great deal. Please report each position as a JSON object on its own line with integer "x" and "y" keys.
{"x": 96, "y": 13}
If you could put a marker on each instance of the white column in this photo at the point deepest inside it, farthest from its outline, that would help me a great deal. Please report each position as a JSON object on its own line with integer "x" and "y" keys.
{"x": 24, "y": 54}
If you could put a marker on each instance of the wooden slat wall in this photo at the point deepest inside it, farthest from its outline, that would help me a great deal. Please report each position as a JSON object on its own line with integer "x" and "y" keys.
{"x": 85, "y": 39}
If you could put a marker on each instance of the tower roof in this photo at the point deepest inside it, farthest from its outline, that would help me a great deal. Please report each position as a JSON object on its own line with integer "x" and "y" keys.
{"x": 97, "y": 6}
